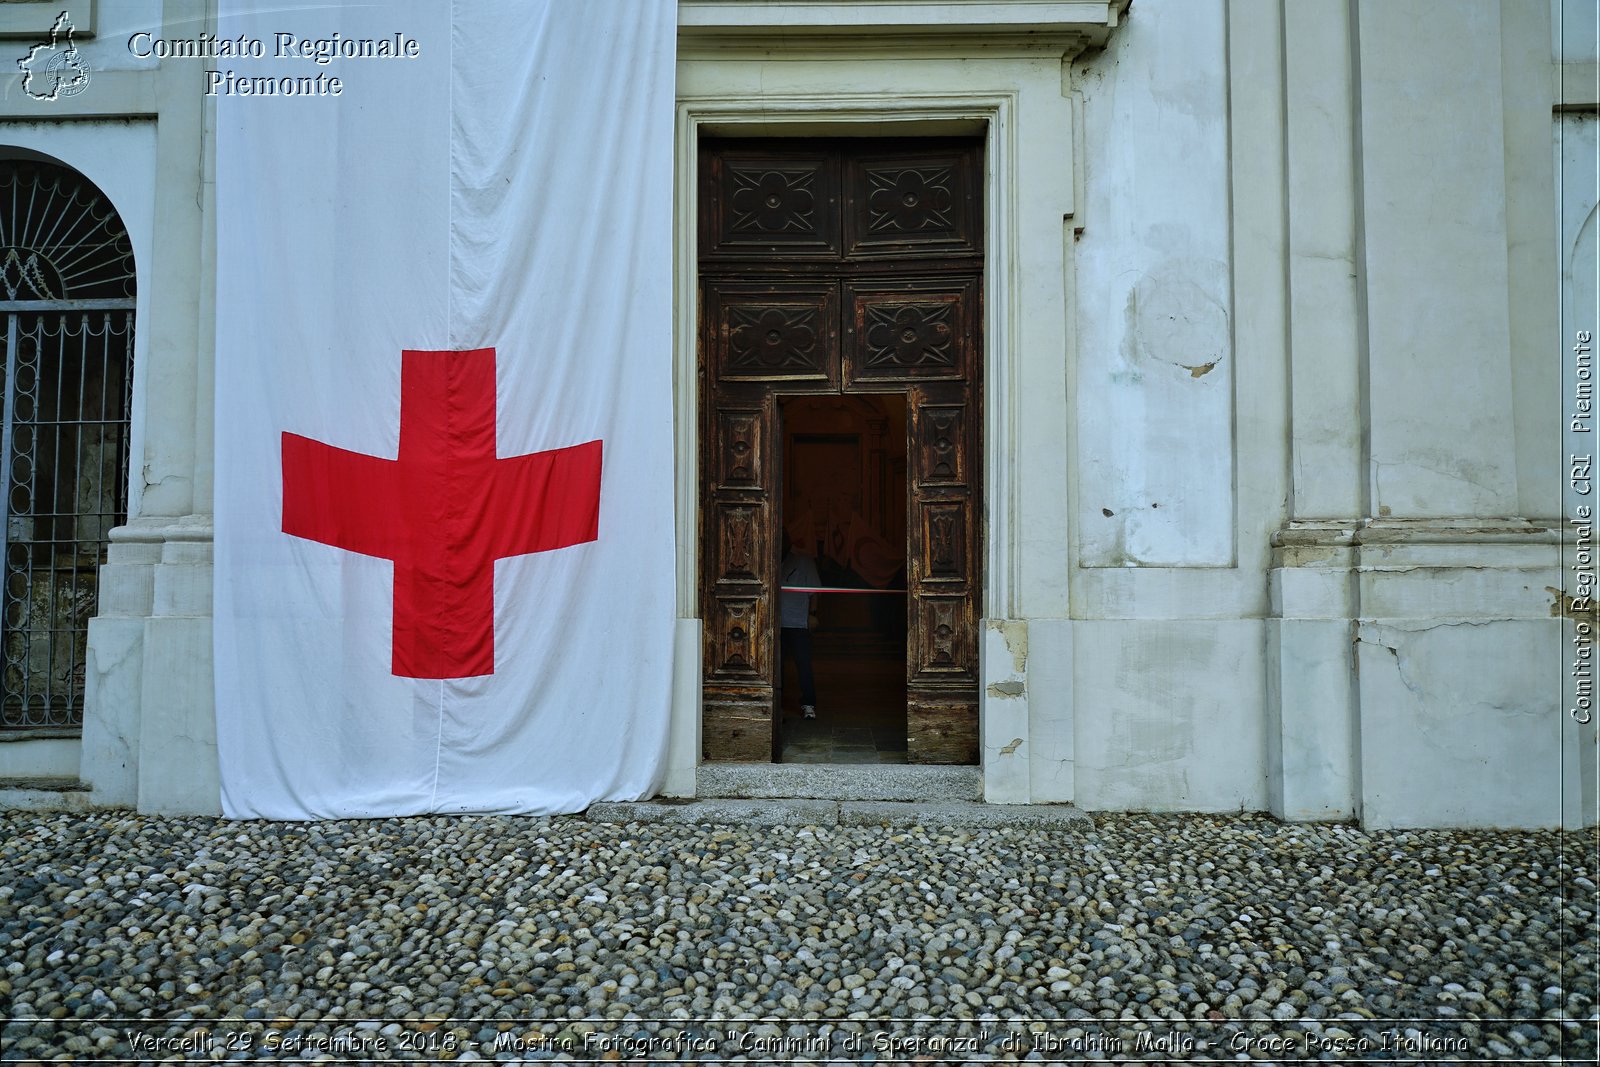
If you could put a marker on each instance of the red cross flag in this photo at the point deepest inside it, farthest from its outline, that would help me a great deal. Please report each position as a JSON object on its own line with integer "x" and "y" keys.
{"x": 445, "y": 561}
{"x": 444, "y": 511}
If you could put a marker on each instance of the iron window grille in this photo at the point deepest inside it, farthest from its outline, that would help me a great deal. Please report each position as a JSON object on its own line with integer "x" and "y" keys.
{"x": 67, "y": 297}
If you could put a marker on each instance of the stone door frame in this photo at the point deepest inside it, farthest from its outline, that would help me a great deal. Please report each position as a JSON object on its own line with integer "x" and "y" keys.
{"x": 910, "y": 115}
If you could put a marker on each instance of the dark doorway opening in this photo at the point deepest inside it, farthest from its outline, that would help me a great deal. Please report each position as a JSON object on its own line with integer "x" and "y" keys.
{"x": 843, "y": 507}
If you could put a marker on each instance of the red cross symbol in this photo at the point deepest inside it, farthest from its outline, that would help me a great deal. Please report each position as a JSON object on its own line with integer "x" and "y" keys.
{"x": 444, "y": 511}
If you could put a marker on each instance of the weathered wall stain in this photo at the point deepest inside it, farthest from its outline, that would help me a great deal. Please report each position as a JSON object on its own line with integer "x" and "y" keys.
{"x": 1172, "y": 319}
{"x": 1564, "y": 605}
{"x": 1015, "y": 635}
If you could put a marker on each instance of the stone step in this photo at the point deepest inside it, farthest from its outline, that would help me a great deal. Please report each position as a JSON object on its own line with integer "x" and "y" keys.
{"x": 43, "y": 794}
{"x": 945, "y": 814}
{"x": 837, "y": 782}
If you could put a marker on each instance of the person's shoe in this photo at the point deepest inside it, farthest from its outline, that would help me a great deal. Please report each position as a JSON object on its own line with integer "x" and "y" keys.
{"x": 808, "y": 711}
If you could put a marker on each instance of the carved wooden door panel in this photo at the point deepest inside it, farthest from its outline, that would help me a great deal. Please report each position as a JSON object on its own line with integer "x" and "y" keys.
{"x": 943, "y": 575}
{"x": 826, "y": 267}
{"x": 740, "y": 570}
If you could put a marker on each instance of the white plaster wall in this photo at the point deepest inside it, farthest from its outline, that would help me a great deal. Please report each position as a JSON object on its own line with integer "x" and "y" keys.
{"x": 1312, "y": 734}
{"x": 1577, "y": 146}
{"x": 113, "y": 684}
{"x": 1531, "y": 254}
{"x": 683, "y": 742}
{"x": 1574, "y": 27}
{"x": 1458, "y": 667}
{"x": 1311, "y": 738}
{"x": 1324, "y": 328}
{"x": 1051, "y": 750}
{"x": 1163, "y": 706}
{"x": 1168, "y": 715}
{"x": 115, "y": 22}
{"x": 1455, "y": 730}
{"x": 1154, "y": 368}
{"x": 1432, "y": 173}
{"x": 178, "y": 772}
{"x": 1004, "y": 713}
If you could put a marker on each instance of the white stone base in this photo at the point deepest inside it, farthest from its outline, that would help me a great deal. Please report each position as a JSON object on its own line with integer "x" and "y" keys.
{"x": 1168, "y": 715}
{"x": 39, "y": 757}
{"x": 1414, "y": 677}
{"x": 1460, "y": 723}
{"x": 149, "y": 735}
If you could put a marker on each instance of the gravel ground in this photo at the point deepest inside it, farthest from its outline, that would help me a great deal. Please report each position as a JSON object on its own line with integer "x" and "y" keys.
{"x": 1145, "y": 937}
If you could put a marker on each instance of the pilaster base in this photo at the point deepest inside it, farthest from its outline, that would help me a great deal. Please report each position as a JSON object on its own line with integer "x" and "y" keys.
{"x": 149, "y": 731}
{"x": 1414, "y": 675}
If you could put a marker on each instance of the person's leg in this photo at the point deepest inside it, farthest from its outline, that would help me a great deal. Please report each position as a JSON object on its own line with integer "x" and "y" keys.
{"x": 785, "y": 653}
{"x": 801, "y": 646}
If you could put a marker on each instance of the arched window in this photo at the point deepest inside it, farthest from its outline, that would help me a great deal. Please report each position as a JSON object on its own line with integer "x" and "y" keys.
{"x": 66, "y": 326}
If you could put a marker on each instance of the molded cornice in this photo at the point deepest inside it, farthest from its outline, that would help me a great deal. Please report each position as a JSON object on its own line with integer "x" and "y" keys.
{"x": 1066, "y": 26}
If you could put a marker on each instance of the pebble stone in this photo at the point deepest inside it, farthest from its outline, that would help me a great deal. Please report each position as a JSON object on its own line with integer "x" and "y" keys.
{"x": 507, "y": 939}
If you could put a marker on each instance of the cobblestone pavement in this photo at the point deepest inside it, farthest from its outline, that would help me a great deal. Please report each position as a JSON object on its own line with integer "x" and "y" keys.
{"x": 499, "y": 938}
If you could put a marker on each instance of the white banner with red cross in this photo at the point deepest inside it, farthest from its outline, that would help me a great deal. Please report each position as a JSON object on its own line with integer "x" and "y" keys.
{"x": 444, "y": 513}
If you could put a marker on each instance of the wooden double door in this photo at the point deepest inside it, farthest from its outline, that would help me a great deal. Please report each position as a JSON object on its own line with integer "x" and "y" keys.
{"x": 826, "y": 267}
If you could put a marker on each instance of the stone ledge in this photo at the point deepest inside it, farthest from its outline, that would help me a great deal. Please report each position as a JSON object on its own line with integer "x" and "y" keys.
{"x": 56, "y": 785}
{"x": 1336, "y": 533}
{"x": 44, "y": 794}
{"x": 161, "y": 529}
{"x": 48, "y": 733}
{"x": 838, "y": 782}
{"x": 802, "y": 812}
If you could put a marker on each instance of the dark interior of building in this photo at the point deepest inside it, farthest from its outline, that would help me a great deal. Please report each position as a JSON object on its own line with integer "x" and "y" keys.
{"x": 844, "y": 504}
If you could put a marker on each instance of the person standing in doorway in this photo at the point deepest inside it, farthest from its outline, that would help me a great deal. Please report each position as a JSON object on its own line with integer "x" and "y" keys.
{"x": 794, "y": 619}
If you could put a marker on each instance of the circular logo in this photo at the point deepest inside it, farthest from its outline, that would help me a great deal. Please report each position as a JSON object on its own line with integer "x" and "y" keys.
{"x": 68, "y": 73}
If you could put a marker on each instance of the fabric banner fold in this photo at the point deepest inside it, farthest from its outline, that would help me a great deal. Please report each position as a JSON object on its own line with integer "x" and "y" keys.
{"x": 444, "y": 560}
